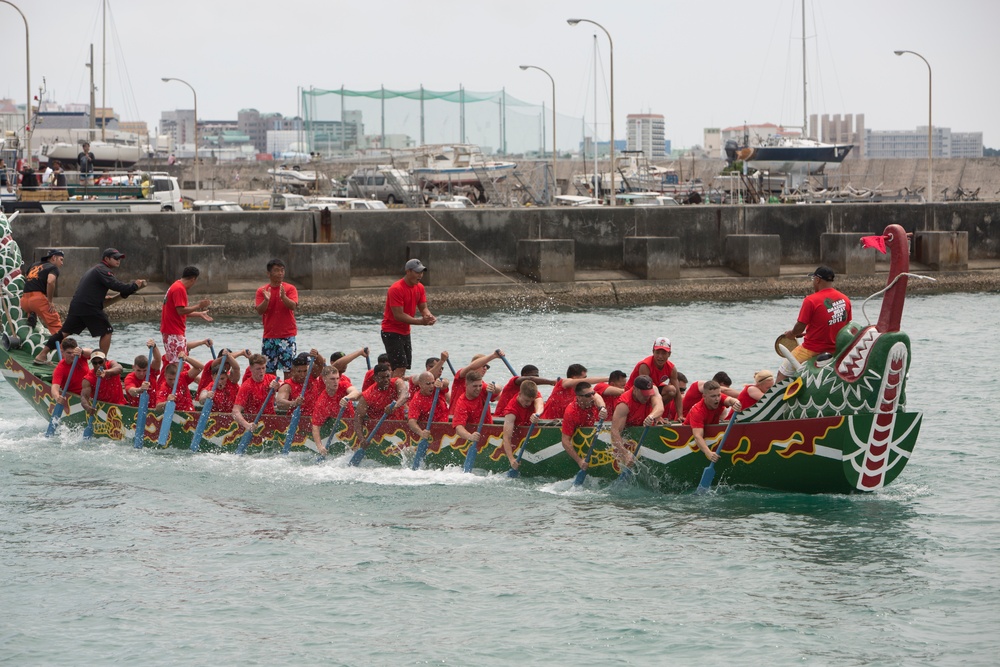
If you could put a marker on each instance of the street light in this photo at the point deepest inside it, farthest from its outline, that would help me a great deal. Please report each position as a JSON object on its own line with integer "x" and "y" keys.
{"x": 555, "y": 179}
{"x": 612, "y": 45}
{"x": 930, "y": 127}
{"x": 197, "y": 171}
{"x": 27, "y": 84}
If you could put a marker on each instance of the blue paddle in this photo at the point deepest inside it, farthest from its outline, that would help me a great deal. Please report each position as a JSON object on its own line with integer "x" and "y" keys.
{"x": 709, "y": 473}
{"x": 245, "y": 440}
{"x": 140, "y": 415}
{"x": 453, "y": 372}
{"x": 169, "y": 408}
{"x": 363, "y": 449}
{"x": 627, "y": 474}
{"x": 507, "y": 364}
{"x": 293, "y": 425}
{"x": 368, "y": 359}
{"x": 211, "y": 348}
{"x": 88, "y": 430}
{"x": 57, "y": 409}
{"x": 418, "y": 458}
{"x": 206, "y": 409}
{"x": 336, "y": 426}
{"x": 582, "y": 475}
{"x": 514, "y": 472}
{"x": 470, "y": 456}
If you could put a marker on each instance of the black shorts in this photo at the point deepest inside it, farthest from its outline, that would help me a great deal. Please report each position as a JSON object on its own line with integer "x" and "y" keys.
{"x": 96, "y": 323}
{"x": 397, "y": 348}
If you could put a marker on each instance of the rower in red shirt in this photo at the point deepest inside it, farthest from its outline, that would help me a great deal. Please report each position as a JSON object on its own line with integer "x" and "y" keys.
{"x": 693, "y": 393}
{"x": 111, "y": 382}
{"x": 641, "y": 405}
{"x": 469, "y": 406}
{"x": 375, "y": 400}
{"x": 224, "y": 396}
{"x": 510, "y": 390}
{"x": 182, "y": 400}
{"x": 564, "y": 391}
{"x": 660, "y": 369}
{"x": 763, "y": 380}
{"x": 670, "y": 407}
{"x": 135, "y": 382}
{"x": 290, "y": 394}
{"x": 480, "y": 363}
{"x": 253, "y": 391}
{"x": 584, "y": 411}
{"x": 523, "y": 409}
{"x": 612, "y": 390}
{"x": 420, "y": 408}
{"x": 336, "y": 389}
{"x": 708, "y": 411}
{"x": 60, "y": 374}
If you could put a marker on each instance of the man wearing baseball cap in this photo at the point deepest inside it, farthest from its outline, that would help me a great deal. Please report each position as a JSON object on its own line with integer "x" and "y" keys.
{"x": 86, "y": 309}
{"x": 40, "y": 288}
{"x": 640, "y": 405}
{"x": 822, "y": 315}
{"x": 660, "y": 370}
{"x": 405, "y": 297}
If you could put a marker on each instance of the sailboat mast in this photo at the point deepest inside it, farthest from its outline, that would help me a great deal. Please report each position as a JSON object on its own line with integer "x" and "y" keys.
{"x": 805, "y": 112}
{"x": 597, "y": 178}
{"x": 90, "y": 66}
{"x": 104, "y": 66}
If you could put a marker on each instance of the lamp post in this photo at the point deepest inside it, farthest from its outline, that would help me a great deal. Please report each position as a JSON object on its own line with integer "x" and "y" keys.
{"x": 197, "y": 171}
{"x": 27, "y": 83}
{"x": 612, "y": 45}
{"x": 930, "y": 126}
{"x": 555, "y": 179}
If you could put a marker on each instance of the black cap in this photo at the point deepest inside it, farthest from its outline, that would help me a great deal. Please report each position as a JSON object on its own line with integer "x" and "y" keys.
{"x": 113, "y": 253}
{"x": 823, "y": 273}
{"x": 53, "y": 253}
{"x": 301, "y": 359}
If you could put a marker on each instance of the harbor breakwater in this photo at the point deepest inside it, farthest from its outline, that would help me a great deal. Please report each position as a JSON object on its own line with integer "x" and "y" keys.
{"x": 371, "y": 245}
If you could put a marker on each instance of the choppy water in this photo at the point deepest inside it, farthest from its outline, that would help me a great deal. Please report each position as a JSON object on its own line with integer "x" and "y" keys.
{"x": 113, "y": 555}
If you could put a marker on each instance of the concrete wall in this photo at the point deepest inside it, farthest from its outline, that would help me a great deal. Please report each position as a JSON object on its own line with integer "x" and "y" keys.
{"x": 378, "y": 239}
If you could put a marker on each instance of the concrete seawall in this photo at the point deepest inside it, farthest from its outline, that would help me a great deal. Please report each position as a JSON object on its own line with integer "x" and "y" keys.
{"x": 379, "y": 243}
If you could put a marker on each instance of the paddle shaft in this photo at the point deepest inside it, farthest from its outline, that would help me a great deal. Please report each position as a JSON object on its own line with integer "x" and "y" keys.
{"x": 422, "y": 445}
{"x": 470, "y": 457}
{"x": 168, "y": 409}
{"x": 140, "y": 416}
{"x": 360, "y": 453}
{"x": 709, "y": 473}
{"x": 245, "y": 440}
{"x": 582, "y": 475}
{"x": 336, "y": 423}
{"x": 88, "y": 430}
{"x": 293, "y": 426}
{"x": 57, "y": 409}
{"x": 368, "y": 359}
{"x": 507, "y": 364}
{"x": 626, "y": 473}
{"x": 514, "y": 472}
{"x": 206, "y": 410}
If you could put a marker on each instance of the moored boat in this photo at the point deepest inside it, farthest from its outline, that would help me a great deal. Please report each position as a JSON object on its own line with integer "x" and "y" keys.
{"x": 840, "y": 426}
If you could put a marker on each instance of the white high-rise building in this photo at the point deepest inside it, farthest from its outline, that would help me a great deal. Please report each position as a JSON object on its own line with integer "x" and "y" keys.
{"x": 646, "y": 133}
{"x": 913, "y": 143}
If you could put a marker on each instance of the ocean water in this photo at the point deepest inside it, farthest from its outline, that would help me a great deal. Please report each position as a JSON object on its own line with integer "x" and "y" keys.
{"x": 109, "y": 555}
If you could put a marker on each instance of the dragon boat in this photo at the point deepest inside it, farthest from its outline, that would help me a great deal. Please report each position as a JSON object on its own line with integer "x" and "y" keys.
{"x": 839, "y": 426}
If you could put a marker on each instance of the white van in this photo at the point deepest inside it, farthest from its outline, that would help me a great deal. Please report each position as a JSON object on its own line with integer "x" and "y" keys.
{"x": 167, "y": 191}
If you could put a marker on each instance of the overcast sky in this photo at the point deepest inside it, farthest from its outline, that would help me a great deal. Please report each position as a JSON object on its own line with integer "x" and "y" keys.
{"x": 699, "y": 63}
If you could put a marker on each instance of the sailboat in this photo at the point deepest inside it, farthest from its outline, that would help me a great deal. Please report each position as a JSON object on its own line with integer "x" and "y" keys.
{"x": 789, "y": 154}
{"x": 112, "y": 149}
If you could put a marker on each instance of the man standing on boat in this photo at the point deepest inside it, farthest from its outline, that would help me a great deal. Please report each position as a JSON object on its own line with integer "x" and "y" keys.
{"x": 86, "y": 309}
{"x": 40, "y": 288}
{"x": 822, "y": 315}
{"x": 173, "y": 317}
{"x": 276, "y": 303}
{"x": 85, "y": 163}
{"x": 405, "y": 297}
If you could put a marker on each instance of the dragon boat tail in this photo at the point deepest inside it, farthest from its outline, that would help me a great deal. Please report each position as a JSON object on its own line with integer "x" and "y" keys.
{"x": 840, "y": 426}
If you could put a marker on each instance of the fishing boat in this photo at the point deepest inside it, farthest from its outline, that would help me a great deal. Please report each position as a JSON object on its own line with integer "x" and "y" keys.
{"x": 457, "y": 165}
{"x": 840, "y": 426}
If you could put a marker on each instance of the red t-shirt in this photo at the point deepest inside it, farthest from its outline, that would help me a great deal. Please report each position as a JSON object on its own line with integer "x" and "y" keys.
{"x": 279, "y": 321}
{"x": 369, "y": 379}
{"x": 609, "y": 401}
{"x": 295, "y": 390}
{"x": 657, "y": 374}
{"x": 700, "y": 416}
{"x": 824, "y": 313}
{"x": 637, "y": 412}
{"x": 377, "y": 400}
{"x": 574, "y": 417}
{"x": 557, "y": 401}
{"x": 419, "y": 408}
{"x": 225, "y": 396}
{"x": 170, "y": 322}
{"x": 111, "y": 386}
{"x": 509, "y": 391}
{"x": 746, "y": 400}
{"x": 406, "y": 296}
{"x": 134, "y": 381}
{"x": 468, "y": 411}
{"x": 61, "y": 373}
{"x": 691, "y": 396}
{"x": 182, "y": 400}
{"x": 522, "y": 415}
{"x": 328, "y": 407}
{"x": 457, "y": 389}
{"x": 252, "y": 394}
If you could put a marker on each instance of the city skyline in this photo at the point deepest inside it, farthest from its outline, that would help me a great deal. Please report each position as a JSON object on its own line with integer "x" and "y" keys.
{"x": 697, "y": 66}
